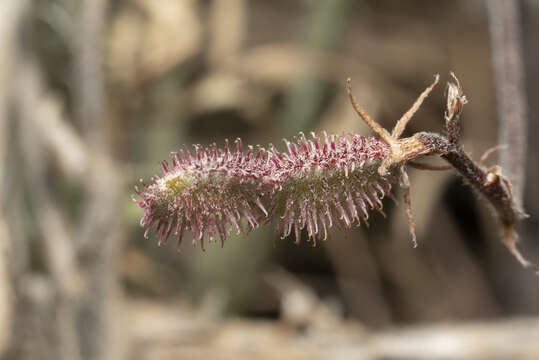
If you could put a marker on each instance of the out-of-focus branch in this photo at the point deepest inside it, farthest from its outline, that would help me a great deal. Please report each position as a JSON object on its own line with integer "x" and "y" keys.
{"x": 101, "y": 182}
{"x": 8, "y": 33}
{"x": 99, "y": 237}
{"x": 62, "y": 141}
{"x": 506, "y": 42}
{"x": 59, "y": 249}
{"x": 88, "y": 74}
{"x": 83, "y": 290}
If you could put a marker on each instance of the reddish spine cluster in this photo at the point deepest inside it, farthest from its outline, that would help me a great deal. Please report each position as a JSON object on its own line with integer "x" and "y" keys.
{"x": 207, "y": 192}
{"x": 321, "y": 180}
{"x": 314, "y": 182}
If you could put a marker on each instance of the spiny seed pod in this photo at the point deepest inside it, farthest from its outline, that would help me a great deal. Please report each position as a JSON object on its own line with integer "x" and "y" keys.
{"x": 207, "y": 192}
{"x": 310, "y": 186}
{"x": 321, "y": 180}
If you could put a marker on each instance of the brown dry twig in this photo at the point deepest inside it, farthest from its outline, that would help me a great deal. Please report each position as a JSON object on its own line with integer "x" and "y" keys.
{"x": 505, "y": 23}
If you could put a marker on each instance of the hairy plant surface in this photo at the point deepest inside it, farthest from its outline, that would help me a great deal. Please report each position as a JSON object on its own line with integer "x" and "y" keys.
{"x": 315, "y": 183}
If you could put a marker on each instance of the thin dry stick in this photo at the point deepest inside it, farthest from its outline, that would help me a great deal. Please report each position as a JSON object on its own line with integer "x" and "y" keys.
{"x": 489, "y": 152}
{"x": 98, "y": 237}
{"x": 405, "y": 184}
{"x": 58, "y": 245}
{"x": 89, "y": 90}
{"x": 377, "y": 128}
{"x": 506, "y": 41}
{"x": 403, "y": 121}
{"x": 9, "y": 27}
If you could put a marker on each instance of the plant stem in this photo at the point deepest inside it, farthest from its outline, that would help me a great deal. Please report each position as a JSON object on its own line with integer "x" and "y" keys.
{"x": 505, "y": 37}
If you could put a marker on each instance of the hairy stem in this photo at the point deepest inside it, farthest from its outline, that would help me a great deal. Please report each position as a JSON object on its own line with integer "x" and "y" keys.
{"x": 489, "y": 184}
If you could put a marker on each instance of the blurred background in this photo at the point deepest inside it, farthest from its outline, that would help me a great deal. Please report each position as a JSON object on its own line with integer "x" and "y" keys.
{"x": 95, "y": 93}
